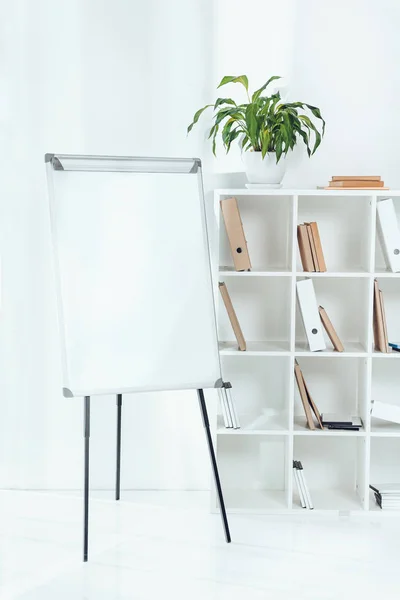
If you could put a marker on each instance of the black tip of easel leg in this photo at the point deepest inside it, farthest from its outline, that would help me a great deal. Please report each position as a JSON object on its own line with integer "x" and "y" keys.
{"x": 228, "y": 538}
{"x": 85, "y": 558}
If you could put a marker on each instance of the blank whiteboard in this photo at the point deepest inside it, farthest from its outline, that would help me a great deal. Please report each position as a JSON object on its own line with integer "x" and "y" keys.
{"x": 133, "y": 273}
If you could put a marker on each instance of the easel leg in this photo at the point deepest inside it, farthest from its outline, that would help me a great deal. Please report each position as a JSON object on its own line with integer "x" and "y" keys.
{"x": 118, "y": 469}
{"x": 86, "y": 489}
{"x": 206, "y": 423}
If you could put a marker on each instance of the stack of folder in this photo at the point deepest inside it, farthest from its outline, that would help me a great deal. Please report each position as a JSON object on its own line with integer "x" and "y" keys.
{"x": 387, "y": 495}
{"x": 230, "y": 416}
{"x": 312, "y": 256}
{"x": 389, "y": 235}
{"x": 302, "y": 487}
{"x": 356, "y": 182}
{"x": 380, "y": 328}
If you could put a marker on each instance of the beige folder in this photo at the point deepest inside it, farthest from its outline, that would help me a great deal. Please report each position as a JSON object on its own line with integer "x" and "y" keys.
{"x": 304, "y": 396}
{"x": 313, "y": 248}
{"x": 318, "y": 246}
{"x": 379, "y": 329}
{"x": 232, "y": 316}
{"x": 385, "y": 334}
{"x": 330, "y": 330}
{"x": 304, "y": 248}
{"x": 234, "y": 230}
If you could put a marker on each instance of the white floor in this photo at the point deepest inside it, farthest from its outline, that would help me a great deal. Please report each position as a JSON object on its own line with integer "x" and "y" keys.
{"x": 167, "y": 545}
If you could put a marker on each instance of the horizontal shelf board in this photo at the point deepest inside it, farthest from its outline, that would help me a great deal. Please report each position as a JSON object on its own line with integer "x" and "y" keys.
{"x": 385, "y": 273}
{"x": 356, "y": 273}
{"x": 300, "y": 428}
{"x": 255, "y": 500}
{"x": 256, "y": 425}
{"x": 381, "y": 428}
{"x": 338, "y": 500}
{"x": 352, "y": 349}
{"x": 305, "y": 192}
{"x": 394, "y": 355}
{"x": 271, "y": 272}
{"x": 267, "y": 348}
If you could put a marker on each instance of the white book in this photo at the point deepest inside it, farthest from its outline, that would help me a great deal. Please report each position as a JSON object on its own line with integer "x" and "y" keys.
{"x": 310, "y": 314}
{"x": 389, "y": 234}
{"x": 299, "y": 487}
{"x": 231, "y": 405}
{"x": 224, "y": 407}
{"x": 385, "y": 411}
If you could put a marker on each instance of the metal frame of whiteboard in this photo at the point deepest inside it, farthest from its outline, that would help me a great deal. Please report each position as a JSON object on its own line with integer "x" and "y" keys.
{"x": 56, "y": 163}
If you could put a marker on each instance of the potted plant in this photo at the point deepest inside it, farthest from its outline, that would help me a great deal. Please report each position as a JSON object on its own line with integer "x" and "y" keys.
{"x": 265, "y": 127}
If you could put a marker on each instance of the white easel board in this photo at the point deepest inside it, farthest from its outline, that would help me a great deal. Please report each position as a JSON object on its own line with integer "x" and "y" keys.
{"x": 133, "y": 275}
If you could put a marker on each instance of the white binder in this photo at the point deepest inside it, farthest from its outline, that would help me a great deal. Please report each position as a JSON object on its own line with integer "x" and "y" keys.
{"x": 389, "y": 234}
{"x": 310, "y": 314}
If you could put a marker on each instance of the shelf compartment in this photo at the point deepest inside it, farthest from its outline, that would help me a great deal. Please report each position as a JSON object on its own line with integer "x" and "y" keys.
{"x": 391, "y": 296}
{"x": 262, "y": 305}
{"x": 253, "y": 471}
{"x": 380, "y": 264}
{"x": 346, "y": 302}
{"x": 260, "y": 390}
{"x": 344, "y": 227}
{"x": 267, "y": 226}
{"x": 334, "y": 469}
{"x": 336, "y": 387}
{"x": 385, "y": 387}
{"x": 384, "y": 464}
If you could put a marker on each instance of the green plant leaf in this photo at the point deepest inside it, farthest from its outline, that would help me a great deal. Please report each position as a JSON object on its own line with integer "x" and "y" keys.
{"x": 311, "y": 126}
{"x": 258, "y": 93}
{"x": 317, "y": 113}
{"x": 214, "y": 139}
{"x": 197, "y": 116}
{"x": 265, "y": 142}
{"x": 220, "y": 101}
{"x": 252, "y": 125}
{"x": 235, "y": 79}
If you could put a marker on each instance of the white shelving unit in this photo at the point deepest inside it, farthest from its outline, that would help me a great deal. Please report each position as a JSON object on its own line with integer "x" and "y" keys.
{"x": 256, "y": 461}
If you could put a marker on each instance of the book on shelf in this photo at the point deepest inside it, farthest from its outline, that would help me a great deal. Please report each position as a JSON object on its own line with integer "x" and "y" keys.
{"x": 228, "y": 408}
{"x": 379, "y": 321}
{"x": 355, "y": 182}
{"x": 387, "y": 495}
{"x": 237, "y": 330}
{"x": 310, "y": 315}
{"x": 309, "y": 405}
{"x": 235, "y": 233}
{"x": 385, "y": 411}
{"x": 341, "y": 421}
{"x": 302, "y": 487}
{"x": 330, "y": 330}
{"x": 388, "y": 233}
{"x": 310, "y": 247}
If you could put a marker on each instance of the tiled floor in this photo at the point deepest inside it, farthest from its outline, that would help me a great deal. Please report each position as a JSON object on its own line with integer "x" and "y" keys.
{"x": 154, "y": 545}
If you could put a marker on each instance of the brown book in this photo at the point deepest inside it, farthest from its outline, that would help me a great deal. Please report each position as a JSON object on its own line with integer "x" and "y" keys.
{"x": 234, "y": 230}
{"x": 232, "y": 316}
{"x": 330, "y": 330}
{"x": 379, "y": 332}
{"x": 304, "y": 396}
{"x": 385, "y": 334}
{"x": 304, "y": 248}
{"x": 357, "y": 183}
{"x": 357, "y": 177}
{"x": 313, "y": 249}
{"x": 370, "y": 187}
{"x": 318, "y": 246}
{"x": 312, "y": 404}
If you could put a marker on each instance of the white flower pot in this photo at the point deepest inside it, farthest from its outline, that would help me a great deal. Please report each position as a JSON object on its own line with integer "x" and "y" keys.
{"x": 264, "y": 170}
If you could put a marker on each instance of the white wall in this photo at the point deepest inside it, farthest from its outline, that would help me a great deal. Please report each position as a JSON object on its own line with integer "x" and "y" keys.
{"x": 125, "y": 77}
{"x": 87, "y": 76}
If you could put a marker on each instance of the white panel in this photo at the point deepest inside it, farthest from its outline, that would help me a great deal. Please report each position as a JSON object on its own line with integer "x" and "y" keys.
{"x": 135, "y": 285}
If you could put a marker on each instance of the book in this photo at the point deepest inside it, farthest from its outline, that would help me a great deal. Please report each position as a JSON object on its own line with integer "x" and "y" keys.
{"x": 318, "y": 246}
{"x": 304, "y": 248}
{"x": 357, "y": 177}
{"x": 232, "y": 316}
{"x": 342, "y": 420}
{"x": 385, "y": 334}
{"x": 312, "y": 246}
{"x": 387, "y": 495}
{"x": 299, "y": 485}
{"x": 330, "y": 330}
{"x": 357, "y": 183}
{"x": 224, "y": 408}
{"x": 312, "y": 404}
{"x": 235, "y": 233}
{"x": 231, "y": 405}
{"x": 306, "y": 491}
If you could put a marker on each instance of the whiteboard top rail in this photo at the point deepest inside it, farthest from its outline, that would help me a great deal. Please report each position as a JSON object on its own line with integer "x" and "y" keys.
{"x": 132, "y": 164}
{"x": 133, "y": 274}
